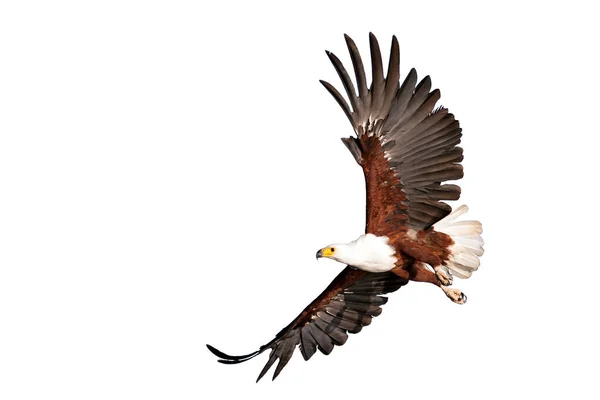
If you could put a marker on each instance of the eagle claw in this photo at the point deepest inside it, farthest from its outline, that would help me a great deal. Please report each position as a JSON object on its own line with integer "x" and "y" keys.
{"x": 455, "y": 295}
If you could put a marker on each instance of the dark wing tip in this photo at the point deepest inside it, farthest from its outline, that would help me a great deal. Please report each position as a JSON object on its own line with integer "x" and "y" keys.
{"x": 332, "y": 57}
{"x": 349, "y": 40}
{"x": 395, "y": 45}
{"x": 350, "y": 43}
{"x": 330, "y": 88}
{"x": 227, "y": 359}
{"x": 373, "y": 40}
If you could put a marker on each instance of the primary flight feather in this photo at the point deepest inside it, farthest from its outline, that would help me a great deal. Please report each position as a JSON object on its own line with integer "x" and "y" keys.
{"x": 407, "y": 148}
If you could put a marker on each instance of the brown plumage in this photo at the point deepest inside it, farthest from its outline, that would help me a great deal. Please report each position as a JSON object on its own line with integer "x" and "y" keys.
{"x": 407, "y": 149}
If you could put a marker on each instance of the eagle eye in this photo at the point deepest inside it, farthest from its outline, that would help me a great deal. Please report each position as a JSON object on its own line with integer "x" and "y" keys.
{"x": 332, "y": 249}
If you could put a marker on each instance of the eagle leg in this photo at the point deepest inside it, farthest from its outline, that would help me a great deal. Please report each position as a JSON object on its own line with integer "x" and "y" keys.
{"x": 416, "y": 271}
{"x": 419, "y": 272}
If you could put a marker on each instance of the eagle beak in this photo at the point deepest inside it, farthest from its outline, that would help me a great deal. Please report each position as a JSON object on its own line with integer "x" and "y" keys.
{"x": 319, "y": 254}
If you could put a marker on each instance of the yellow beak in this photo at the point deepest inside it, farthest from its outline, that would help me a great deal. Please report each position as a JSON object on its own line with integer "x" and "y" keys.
{"x": 326, "y": 252}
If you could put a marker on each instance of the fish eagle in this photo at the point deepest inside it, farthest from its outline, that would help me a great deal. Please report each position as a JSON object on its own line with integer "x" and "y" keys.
{"x": 407, "y": 148}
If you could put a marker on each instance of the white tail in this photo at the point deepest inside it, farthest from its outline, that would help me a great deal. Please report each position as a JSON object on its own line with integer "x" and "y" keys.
{"x": 468, "y": 244}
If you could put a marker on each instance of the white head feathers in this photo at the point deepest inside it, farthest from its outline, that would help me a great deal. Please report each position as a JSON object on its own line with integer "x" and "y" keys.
{"x": 368, "y": 252}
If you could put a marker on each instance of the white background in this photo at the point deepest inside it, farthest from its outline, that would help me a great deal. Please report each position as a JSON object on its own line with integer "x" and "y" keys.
{"x": 168, "y": 170}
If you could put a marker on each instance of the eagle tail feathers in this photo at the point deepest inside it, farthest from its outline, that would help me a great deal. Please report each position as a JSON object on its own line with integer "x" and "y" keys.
{"x": 467, "y": 244}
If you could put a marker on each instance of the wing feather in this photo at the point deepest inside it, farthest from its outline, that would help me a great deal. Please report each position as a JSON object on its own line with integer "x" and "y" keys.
{"x": 338, "y": 97}
{"x": 346, "y": 81}
{"x": 377, "y": 82}
{"x": 347, "y": 305}
{"x": 359, "y": 69}
{"x": 308, "y": 343}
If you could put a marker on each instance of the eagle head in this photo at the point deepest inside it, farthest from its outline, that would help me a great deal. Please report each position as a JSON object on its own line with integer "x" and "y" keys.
{"x": 368, "y": 252}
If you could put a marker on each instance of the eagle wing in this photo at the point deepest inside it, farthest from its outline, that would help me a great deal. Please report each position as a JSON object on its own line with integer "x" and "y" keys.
{"x": 406, "y": 147}
{"x": 345, "y": 306}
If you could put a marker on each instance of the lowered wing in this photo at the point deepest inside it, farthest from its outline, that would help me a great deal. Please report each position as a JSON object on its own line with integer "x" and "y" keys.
{"x": 350, "y": 302}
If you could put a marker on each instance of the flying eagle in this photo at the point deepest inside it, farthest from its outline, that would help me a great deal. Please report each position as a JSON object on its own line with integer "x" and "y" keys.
{"x": 407, "y": 148}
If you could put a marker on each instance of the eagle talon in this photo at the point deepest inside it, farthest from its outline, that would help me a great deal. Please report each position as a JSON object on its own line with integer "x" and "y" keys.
{"x": 455, "y": 295}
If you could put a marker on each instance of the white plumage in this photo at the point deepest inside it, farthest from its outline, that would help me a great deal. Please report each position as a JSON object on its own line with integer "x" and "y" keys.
{"x": 369, "y": 252}
{"x": 468, "y": 244}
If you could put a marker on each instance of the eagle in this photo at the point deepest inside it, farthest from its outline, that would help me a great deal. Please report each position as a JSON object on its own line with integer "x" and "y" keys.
{"x": 407, "y": 148}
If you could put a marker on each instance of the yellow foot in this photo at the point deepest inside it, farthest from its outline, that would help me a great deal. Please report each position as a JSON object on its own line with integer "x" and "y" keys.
{"x": 455, "y": 295}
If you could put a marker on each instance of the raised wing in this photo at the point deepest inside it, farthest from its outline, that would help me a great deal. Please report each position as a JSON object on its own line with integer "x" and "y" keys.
{"x": 406, "y": 147}
{"x": 346, "y": 305}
